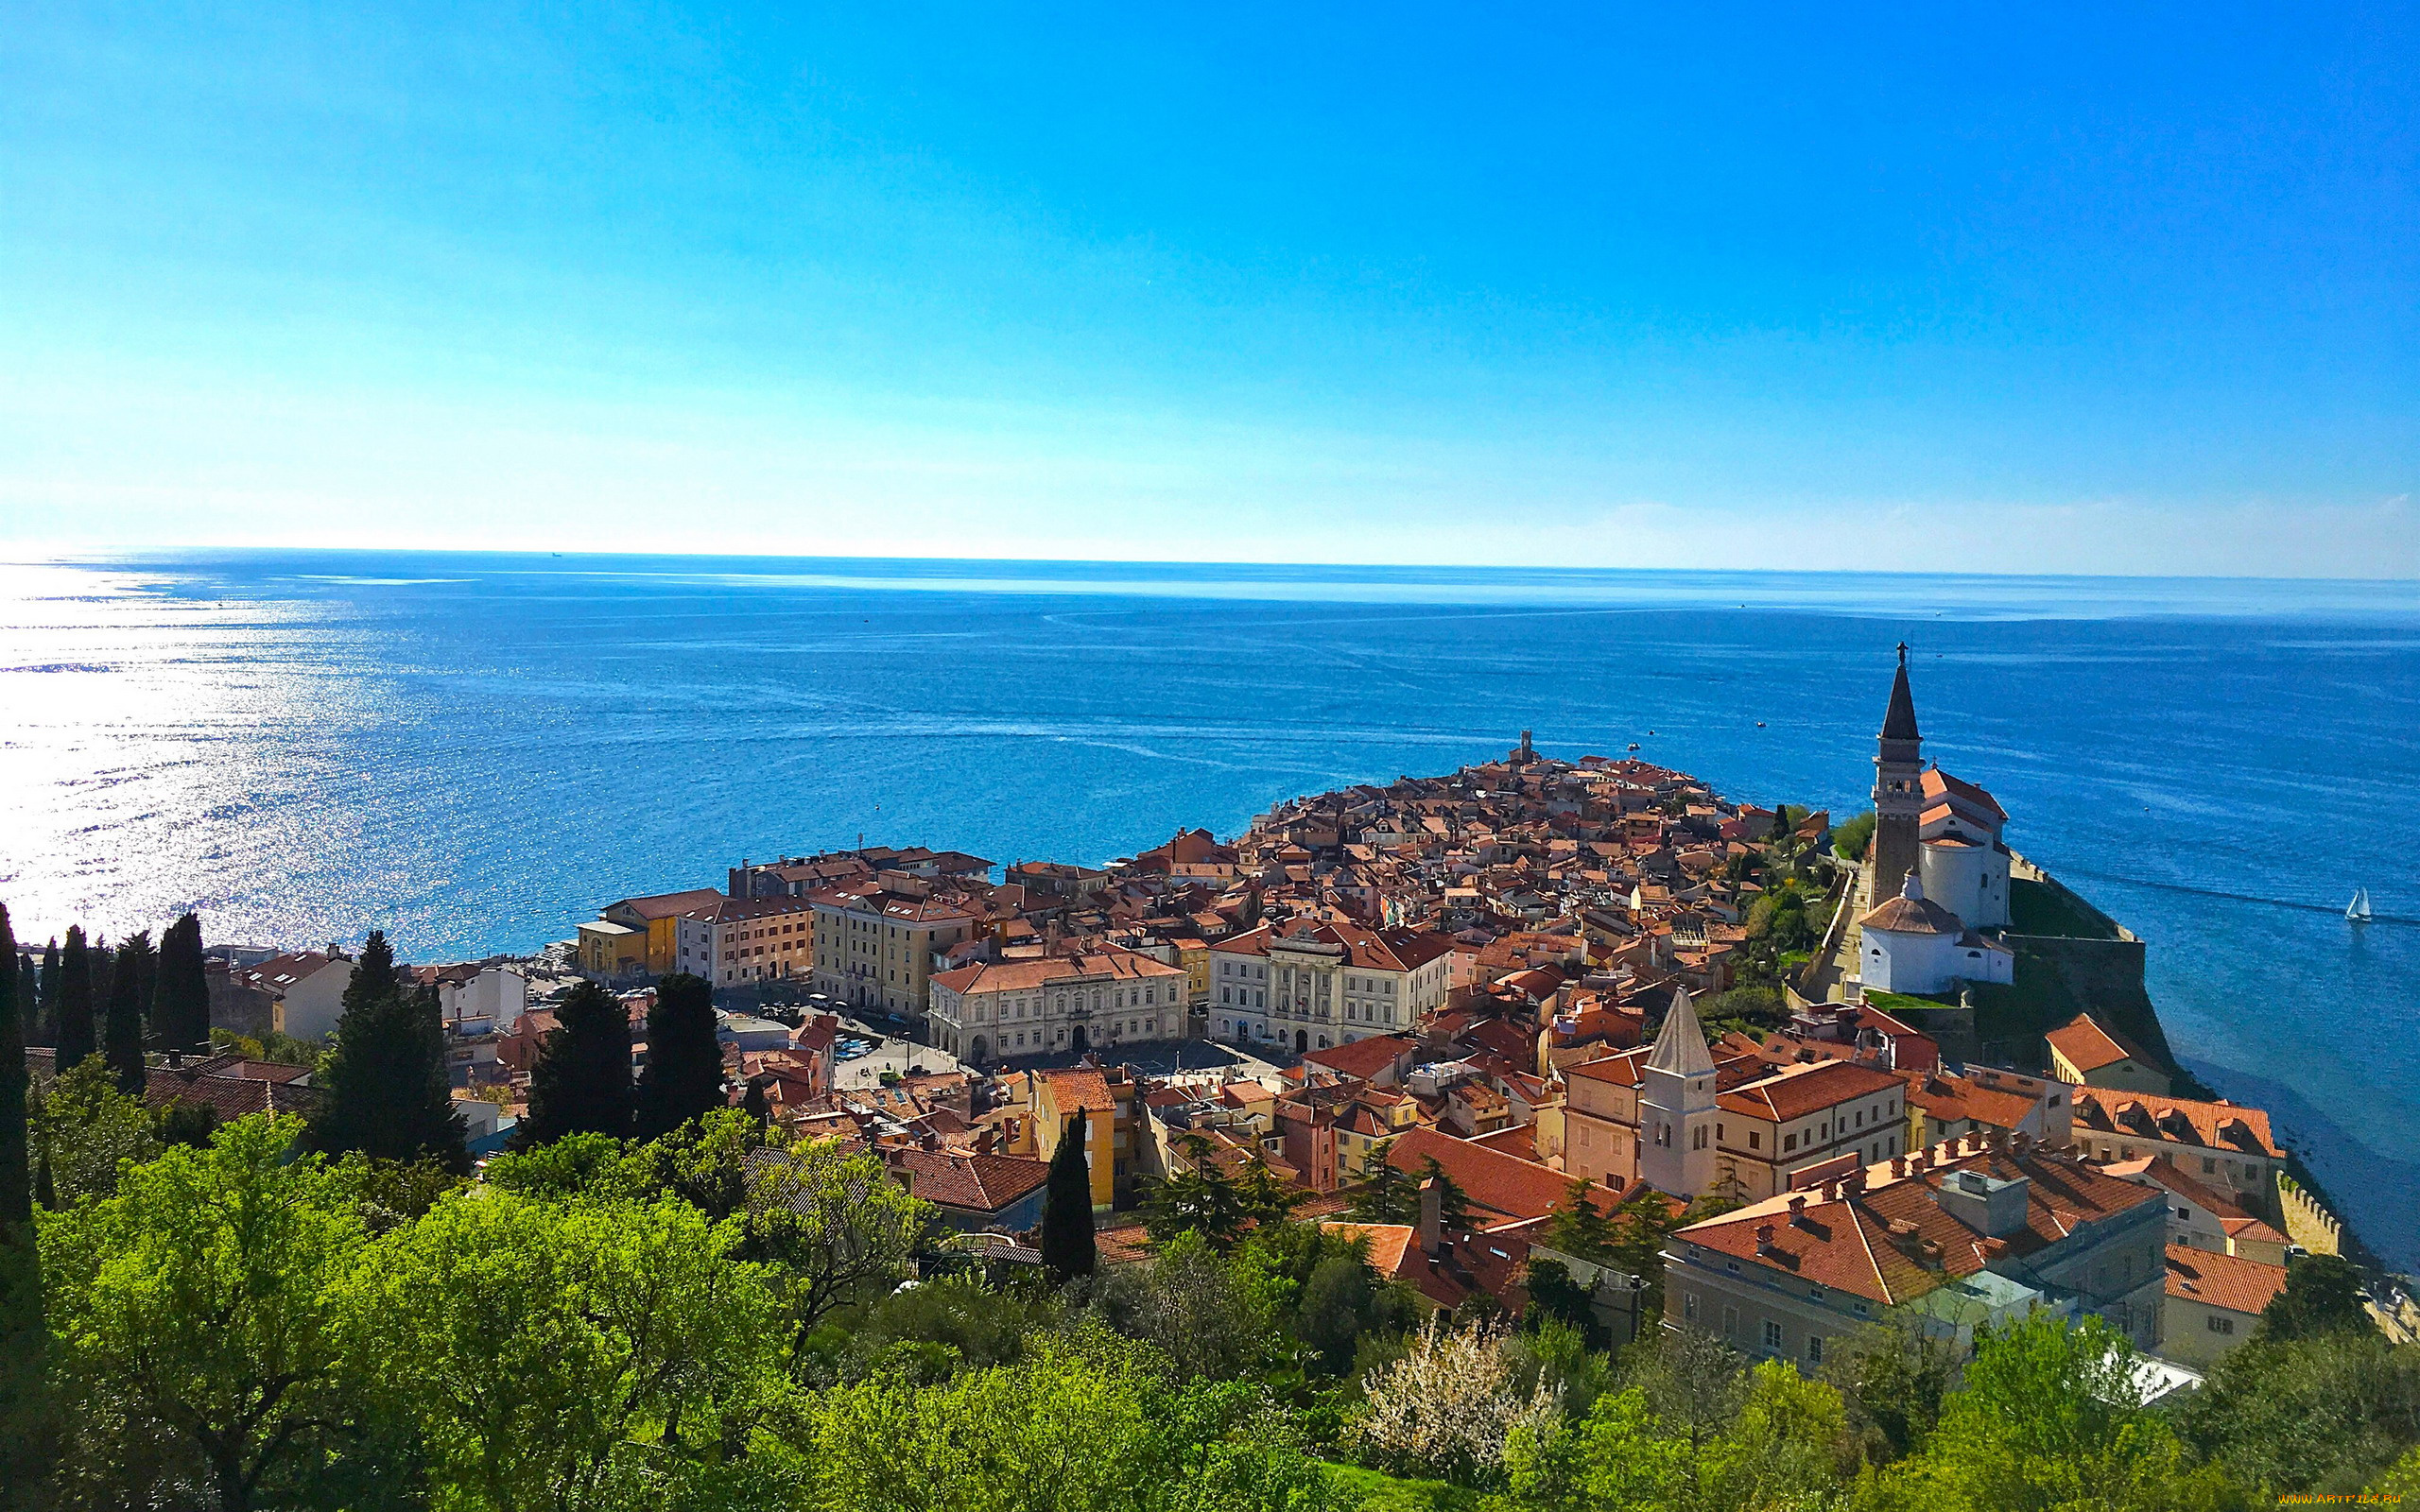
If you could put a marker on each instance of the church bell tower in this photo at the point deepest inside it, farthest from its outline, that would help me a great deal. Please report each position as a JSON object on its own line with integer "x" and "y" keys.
{"x": 1898, "y": 792}
{"x": 1676, "y": 1153}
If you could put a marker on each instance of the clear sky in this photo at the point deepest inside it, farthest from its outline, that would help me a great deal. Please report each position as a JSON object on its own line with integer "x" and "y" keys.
{"x": 2085, "y": 288}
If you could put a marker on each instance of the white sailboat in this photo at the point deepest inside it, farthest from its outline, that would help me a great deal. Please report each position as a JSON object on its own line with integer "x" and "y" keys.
{"x": 2358, "y": 911}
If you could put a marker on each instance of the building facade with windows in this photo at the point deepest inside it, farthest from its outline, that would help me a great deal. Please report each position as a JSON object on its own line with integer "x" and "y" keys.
{"x": 1689, "y": 1123}
{"x": 1092, "y": 998}
{"x": 874, "y": 943}
{"x": 746, "y": 942}
{"x": 1306, "y": 986}
{"x": 1949, "y": 1240}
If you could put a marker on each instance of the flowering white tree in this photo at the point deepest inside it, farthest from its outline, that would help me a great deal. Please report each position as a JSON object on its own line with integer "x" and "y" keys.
{"x": 1447, "y": 1406}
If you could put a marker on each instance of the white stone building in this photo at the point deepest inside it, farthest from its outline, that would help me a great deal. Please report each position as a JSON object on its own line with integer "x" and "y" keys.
{"x": 1305, "y": 986}
{"x": 1915, "y": 946}
{"x": 1093, "y": 998}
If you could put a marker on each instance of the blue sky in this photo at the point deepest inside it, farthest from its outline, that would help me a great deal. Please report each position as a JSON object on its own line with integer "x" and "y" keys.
{"x": 1992, "y": 288}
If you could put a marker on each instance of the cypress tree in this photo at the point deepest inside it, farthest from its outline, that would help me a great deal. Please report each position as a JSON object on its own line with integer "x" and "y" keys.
{"x": 1068, "y": 1248}
{"x": 581, "y": 1081}
{"x": 130, "y": 988}
{"x": 386, "y": 1091}
{"x": 47, "y": 987}
{"x": 181, "y": 998}
{"x": 29, "y": 996}
{"x": 683, "y": 1077}
{"x": 23, "y": 1337}
{"x": 16, "y": 1177}
{"x": 74, "y": 1027}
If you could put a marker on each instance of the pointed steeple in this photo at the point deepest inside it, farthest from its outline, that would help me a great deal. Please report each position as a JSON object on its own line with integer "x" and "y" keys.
{"x": 1899, "y": 721}
{"x": 1679, "y": 1045}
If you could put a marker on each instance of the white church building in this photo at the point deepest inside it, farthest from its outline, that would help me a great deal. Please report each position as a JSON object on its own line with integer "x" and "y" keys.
{"x": 1938, "y": 865}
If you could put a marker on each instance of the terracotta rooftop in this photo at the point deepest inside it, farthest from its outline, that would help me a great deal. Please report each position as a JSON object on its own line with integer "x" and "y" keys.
{"x": 1499, "y": 1184}
{"x": 2087, "y": 1046}
{"x": 2222, "y": 1281}
{"x": 1796, "y": 1091}
{"x": 2175, "y": 1121}
{"x": 1945, "y": 1096}
{"x": 977, "y": 1183}
{"x": 1893, "y": 1241}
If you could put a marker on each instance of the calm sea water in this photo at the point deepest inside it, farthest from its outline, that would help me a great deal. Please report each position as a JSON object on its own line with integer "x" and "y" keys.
{"x": 474, "y": 752}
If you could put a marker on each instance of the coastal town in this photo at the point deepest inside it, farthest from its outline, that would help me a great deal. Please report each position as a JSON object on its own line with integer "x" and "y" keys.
{"x": 1888, "y": 1067}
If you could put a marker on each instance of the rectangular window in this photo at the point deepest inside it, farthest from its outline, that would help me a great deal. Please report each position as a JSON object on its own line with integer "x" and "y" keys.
{"x": 1773, "y": 1334}
{"x": 1790, "y": 1141}
{"x": 2221, "y": 1325}
{"x": 1688, "y": 1304}
{"x": 1730, "y": 1322}
{"x": 1814, "y": 1348}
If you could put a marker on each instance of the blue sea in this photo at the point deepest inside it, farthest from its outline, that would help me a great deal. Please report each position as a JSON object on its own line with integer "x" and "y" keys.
{"x": 476, "y": 751}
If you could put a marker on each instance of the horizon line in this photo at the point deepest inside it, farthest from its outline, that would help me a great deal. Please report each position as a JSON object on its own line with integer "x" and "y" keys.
{"x": 90, "y": 556}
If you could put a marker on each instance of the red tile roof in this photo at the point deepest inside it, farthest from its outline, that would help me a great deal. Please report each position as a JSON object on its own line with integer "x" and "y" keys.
{"x": 1796, "y": 1091}
{"x": 2227, "y": 1281}
{"x": 1365, "y": 1059}
{"x": 2087, "y": 1046}
{"x": 2175, "y": 1121}
{"x": 976, "y": 1184}
{"x": 1893, "y": 1241}
{"x": 1500, "y": 1183}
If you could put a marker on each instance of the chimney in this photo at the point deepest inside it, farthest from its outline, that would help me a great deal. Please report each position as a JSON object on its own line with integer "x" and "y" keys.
{"x": 1764, "y": 1238}
{"x": 1432, "y": 1233}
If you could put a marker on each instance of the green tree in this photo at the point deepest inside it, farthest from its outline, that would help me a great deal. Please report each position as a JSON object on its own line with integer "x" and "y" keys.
{"x": 1201, "y": 1199}
{"x": 191, "y": 1311}
{"x": 2325, "y": 1412}
{"x": 1201, "y": 1309}
{"x": 831, "y": 1224}
{"x": 129, "y": 990}
{"x": 23, "y": 1336}
{"x": 1339, "y": 1305}
{"x": 552, "y": 1354}
{"x": 16, "y": 1168}
{"x": 1851, "y": 838}
{"x": 181, "y": 997}
{"x": 1390, "y": 1197}
{"x": 1642, "y": 1226}
{"x": 683, "y": 1076}
{"x": 1084, "y": 1423}
{"x": 581, "y": 1081}
{"x": 1068, "y": 1248}
{"x": 2322, "y": 1294}
{"x": 47, "y": 981}
{"x": 1577, "y": 1227}
{"x": 388, "y": 1092}
{"x": 1617, "y": 1455}
{"x": 1891, "y": 1380}
{"x": 83, "y": 1131}
{"x": 1556, "y": 1296}
{"x": 1263, "y": 1197}
{"x": 2050, "y": 1418}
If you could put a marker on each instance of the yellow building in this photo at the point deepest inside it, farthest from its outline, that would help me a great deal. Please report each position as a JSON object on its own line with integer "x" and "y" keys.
{"x": 639, "y": 934}
{"x": 1103, "y": 1101}
{"x": 875, "y": 942}
{"x": 607, "y": 949}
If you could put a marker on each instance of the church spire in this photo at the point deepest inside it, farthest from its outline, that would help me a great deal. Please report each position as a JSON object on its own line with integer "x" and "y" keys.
{"x": 1899, "y": 720}
{"x": 1679, "y": 1045}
